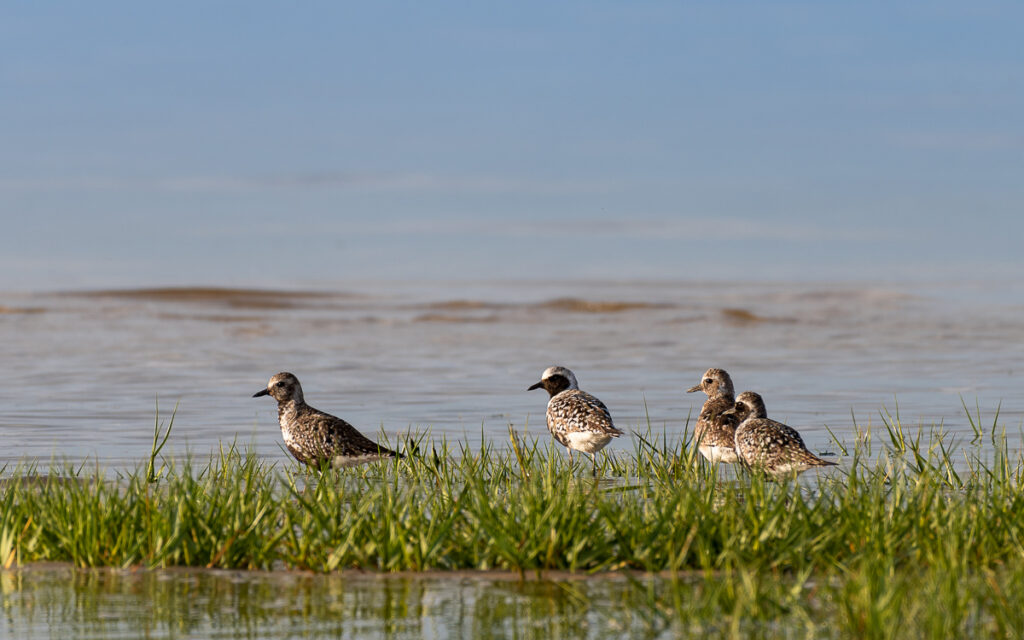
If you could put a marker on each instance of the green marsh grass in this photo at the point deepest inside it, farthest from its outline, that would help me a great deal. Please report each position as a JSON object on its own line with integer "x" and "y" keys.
{"x": 912, "y": 524}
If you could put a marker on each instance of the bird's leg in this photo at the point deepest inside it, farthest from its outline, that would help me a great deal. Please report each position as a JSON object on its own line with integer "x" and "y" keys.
{"x": 593, "y": 456}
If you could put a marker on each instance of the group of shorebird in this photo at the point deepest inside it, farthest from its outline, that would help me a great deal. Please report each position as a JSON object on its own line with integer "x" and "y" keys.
{"x": 730, "y": 428}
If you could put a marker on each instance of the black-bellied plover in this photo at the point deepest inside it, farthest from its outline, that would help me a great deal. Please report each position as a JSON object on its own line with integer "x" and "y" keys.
{"x": 315, "y": 437}
{"x": 576, "y": 419}
{"x": 716, "y": 429}
{"x": 768, "y": 445}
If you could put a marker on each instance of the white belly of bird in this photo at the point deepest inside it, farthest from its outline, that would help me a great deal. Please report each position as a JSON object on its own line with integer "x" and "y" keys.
{"x": 586, "y": 441}
{"x": 790, "y": 467}
{"x": 340, "y": 462}
{"x": 718, "y": 454}
{"x": 286, "y": 434}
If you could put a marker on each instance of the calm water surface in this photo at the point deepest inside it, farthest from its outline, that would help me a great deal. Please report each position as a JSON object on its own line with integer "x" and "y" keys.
{"x": 61, "y": 602}
{"x": 83, "y": 371}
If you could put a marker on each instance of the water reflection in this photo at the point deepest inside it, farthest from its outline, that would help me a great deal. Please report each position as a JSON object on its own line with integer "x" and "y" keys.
{"x": 61, "y": 602}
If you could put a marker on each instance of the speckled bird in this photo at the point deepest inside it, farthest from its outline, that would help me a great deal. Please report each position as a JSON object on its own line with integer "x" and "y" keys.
{"x": 716, "y": 429}
{"x": 314, "y": 437}
{"x": 768, "y": 445}
{"x": 576, "y": 419}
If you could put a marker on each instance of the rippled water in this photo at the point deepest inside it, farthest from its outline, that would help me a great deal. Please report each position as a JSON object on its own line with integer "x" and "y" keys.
{"x": 83, "y": 371}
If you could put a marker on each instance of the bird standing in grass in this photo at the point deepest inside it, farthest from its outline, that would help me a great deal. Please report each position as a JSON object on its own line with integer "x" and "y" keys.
{"x": 768, "y": 445}
{"x": 576, "y": 419}
{"x": 314, "y": 437}
{"x": 716, "y": 429}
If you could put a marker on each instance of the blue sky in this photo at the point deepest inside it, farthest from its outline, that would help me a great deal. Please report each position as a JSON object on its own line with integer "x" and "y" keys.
{"x": 261, "y": 143}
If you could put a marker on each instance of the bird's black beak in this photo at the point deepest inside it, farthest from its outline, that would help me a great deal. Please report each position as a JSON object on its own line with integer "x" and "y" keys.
{"x": 536, "y": 386}
{"x": 692, "y": 389}
{"x": 265, "y": 392}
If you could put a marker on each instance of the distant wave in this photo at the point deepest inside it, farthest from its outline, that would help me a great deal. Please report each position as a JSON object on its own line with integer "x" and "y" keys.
{"x": 16, "y": 310}
{"x": 567, "y": 304}
{"x": 453, "y": 318}
{"x": 462, "y": 305}
{"x": 744, "y": 316}
{"x": 237, "y": 298}
{"x": 579, "y": 305}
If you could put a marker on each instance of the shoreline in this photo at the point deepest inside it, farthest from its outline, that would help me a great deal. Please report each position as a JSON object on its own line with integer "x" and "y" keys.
{"x": 349, "y": 575}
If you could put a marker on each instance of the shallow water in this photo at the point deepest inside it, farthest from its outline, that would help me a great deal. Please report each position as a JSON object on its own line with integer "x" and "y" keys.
{"x": 40, "y": 602}
{"x": 84, "y": 371}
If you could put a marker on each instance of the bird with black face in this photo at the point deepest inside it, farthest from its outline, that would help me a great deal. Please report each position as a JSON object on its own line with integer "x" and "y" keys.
{"x": 767, "y": 445}
{"x": 316, "y": 438}
{"x": 715, "y": 431}
{"x": 576, "y": 419}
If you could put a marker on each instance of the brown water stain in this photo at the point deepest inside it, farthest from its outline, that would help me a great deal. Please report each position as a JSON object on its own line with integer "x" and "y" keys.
{"x": 579, "y": 305}
{"x": 235, "y": 298}
{"x": 744, "y": 316}
{"x": 20, "y": 310}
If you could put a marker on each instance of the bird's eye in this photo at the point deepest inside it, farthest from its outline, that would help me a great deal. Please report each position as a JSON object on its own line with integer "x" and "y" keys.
{"x": 280, "y": 383}
{"x": 708, "y": 380}
{"x": 740, "y": 406}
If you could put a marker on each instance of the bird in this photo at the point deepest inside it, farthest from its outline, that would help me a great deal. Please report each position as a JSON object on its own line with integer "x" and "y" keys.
{"x": 576, "y": 419}
{"x": 767, "y": 445}
{"x": 716, "y": 430}
{"x": 316, "y": 438}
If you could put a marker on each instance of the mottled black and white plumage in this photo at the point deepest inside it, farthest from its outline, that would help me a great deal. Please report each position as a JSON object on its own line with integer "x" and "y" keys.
{"x": 768, "y": 445}
{"x": 315, "y": 437}
{"x": 716, "y": 428}
{"x": 576, "y": 419}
